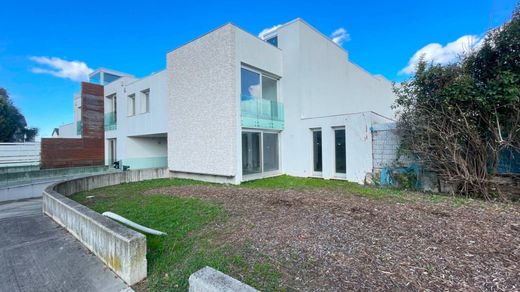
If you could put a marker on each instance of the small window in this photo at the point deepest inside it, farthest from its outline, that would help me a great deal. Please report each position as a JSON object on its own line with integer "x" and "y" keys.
{"x": 145, "y": 101}
{"x": 316, "y": 149}
{"x": 273, "y": 41}
{"x": 131, "y": 105}
{"x": 108, "y": 78}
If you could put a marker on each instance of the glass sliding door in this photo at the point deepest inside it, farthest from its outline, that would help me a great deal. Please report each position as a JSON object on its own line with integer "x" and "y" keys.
{"x": 340, "y": 153}
{"x": 270, "y": 149}
{"x": 260, "y": 152}
{"x": 317, "y": 154}
{"x": 251, "y": 157}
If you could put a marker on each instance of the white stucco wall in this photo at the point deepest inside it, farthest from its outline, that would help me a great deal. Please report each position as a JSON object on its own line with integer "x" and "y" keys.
{"x": 202, "y": 124}
{"x": 322, "y": 89}
{"x": 261, "y": 56}
{"x": 142, "y": 124}
{"x": 68, "y": 131}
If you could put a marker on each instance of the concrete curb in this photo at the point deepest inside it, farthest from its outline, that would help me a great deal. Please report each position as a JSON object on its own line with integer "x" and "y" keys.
{"x": 122, "y": 249}
{"x": 210, "y": 280}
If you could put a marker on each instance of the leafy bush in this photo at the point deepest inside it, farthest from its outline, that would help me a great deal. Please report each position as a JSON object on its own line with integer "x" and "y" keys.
{"x": 456, "y": 118}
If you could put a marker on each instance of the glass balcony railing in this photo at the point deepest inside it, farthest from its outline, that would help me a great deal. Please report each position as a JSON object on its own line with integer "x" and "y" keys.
{"x": 79, "y": 128}
{"x": 262, "y": 113}
{"x": 110, "y": 121}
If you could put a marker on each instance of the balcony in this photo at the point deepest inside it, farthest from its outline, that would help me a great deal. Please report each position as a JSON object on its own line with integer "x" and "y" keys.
{"x": 79, "y": 128}
{"x": 262, "y": 113}
{"x": 110, "y": 121}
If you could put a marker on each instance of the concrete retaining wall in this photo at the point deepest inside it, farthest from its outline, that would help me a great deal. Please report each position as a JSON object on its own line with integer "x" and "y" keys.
{"x": 120, "y": 248}
{"x": 15, "y": 176}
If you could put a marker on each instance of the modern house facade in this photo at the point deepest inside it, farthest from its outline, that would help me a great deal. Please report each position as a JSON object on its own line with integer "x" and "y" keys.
{"x": 231, "y": 107}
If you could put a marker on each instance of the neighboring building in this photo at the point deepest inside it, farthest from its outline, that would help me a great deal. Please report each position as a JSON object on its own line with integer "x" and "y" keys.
{"x": 231, "y": 107}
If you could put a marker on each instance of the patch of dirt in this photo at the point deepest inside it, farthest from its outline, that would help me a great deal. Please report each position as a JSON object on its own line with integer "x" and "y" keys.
{"x": 326, "y": 240}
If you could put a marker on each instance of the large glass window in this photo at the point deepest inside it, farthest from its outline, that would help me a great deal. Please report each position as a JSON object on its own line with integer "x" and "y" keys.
{"x": 339, "y": 137}
{"x": 250, "y": 85}
{"x": 269, "y": 90}
{"x": 254, "y": 85}
{"x": 270, "y": 148}
{"x": 317, "y": 155}
{"x": 251, "y": 153}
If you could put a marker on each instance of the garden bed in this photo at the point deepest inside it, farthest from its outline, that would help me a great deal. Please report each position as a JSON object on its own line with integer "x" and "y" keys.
{"x": 307, "y": 234}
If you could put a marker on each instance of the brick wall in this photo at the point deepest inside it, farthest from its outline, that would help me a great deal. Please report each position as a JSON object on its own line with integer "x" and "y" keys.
{"x": 90, "y": 148}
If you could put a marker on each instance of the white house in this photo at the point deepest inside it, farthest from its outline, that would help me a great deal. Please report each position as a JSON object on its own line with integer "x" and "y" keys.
{"x": 230, "y": 107}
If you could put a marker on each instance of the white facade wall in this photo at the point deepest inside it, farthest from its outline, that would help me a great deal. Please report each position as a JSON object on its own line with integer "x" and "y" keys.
{"x": 68, "y": 131}
{"x": 195, "y": 116}
{"x": 205, "y": 130}
{"x": 251, "y": 52}
{"x": 322, "y": 89}
{"x": 202, "y": 124}
{"x": 141, "y": 138}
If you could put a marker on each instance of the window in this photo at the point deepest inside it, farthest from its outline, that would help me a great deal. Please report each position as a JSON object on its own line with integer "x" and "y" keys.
{"x": 269, "y": 90}
{"x": 145, "y": 101}
{"x": 107, "y": 78}
{"x": 317, "y": 155}
{"x": 131, "y": 105}
{"x": 339, "y": 145}
{"x": 273, "y": 41}
{"x": 250, "y": 85}
{"x": 255, "y": 85}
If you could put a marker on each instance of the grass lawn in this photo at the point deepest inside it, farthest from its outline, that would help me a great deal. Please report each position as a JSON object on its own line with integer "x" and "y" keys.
{"x": 287, "y": 233}
{"x": 188, "y": 246}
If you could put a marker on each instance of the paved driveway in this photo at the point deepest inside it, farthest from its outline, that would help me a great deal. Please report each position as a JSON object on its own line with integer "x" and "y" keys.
{"x": 36, "y": 254}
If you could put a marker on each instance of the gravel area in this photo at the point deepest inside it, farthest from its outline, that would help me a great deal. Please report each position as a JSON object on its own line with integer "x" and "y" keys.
{"x": 327, "y": 240}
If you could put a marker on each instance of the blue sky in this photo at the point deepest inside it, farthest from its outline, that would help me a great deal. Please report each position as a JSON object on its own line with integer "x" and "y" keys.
{"x": 134, "y": 37}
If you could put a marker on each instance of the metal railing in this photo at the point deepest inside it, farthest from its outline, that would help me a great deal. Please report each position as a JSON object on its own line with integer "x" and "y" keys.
{"x": 262, "y": 113}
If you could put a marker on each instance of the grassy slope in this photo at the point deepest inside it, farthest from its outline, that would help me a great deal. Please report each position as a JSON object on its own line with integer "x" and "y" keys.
{"x": 190, "y": 246}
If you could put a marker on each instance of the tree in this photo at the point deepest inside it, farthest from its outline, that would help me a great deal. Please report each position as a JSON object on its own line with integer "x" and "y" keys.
{"x": 13, "y": 127}
{"x": 457, "y": 118}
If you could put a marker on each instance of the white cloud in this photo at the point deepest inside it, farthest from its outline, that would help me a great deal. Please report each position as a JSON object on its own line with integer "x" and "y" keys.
{"x": 73, "y": 70}
{"x": 267, "y": 31}
{"x": 340, "y": 35}
{"x": 438, "y": 54}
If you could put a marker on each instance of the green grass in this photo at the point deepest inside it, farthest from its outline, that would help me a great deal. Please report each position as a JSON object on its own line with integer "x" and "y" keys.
{"x": 290, "y": 182}
{"x": 190, "y": 245}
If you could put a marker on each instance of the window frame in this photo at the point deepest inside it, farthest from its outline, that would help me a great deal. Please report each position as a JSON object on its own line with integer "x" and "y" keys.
{"x": 131, "y": 97}
{"x": 339, "y": 174}
{"x": 145, "y": 101}
{"x": 313, "y": 171}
